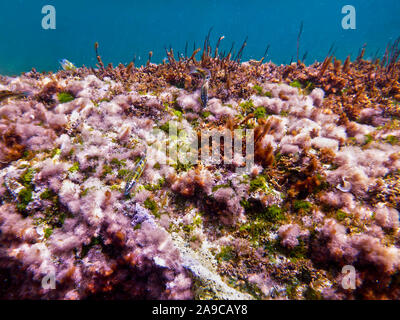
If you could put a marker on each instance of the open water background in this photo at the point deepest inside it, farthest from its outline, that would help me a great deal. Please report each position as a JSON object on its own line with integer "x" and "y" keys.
{"x": 128, "y": 28}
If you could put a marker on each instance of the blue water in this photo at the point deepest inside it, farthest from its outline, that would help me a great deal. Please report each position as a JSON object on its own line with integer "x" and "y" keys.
{"x": 127, "y": 28}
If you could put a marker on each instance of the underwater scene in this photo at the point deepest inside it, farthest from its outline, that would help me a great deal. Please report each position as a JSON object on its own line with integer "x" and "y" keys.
{"x": 200, "y": 150}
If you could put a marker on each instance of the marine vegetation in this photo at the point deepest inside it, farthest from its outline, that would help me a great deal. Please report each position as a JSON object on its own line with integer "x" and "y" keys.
{"x": 88, "y": 195}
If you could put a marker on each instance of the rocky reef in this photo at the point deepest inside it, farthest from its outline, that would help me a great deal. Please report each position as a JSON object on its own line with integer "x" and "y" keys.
{"x": 323, "y": 192}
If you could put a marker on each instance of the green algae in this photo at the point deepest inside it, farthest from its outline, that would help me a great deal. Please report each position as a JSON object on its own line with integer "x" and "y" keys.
{"x": 157, "y": 166}
{"x": 256, "y": 230}
{"x": 187, "y": 228}
{"x": 302, "y": 206}
{"x": 227, "y": 253}
{"x": 291, "y": 290}
{"x": 65, "y": 97}
{"x": 309, "y": 86}
{"x": 122, "y": 173}
{"x": 27, "y": 177}
{"x": 107, "y": 169}
{"x": 341, "y": 215}
{"x": 178, "y": 114}
{"x": 198, "y": 220}
{"x": 118, "y": 163}
{"x": 296, "y": 84}
{"x": 166, "y": 127}
{"x": 152, "y": 206}
{"x": 182, "y": 167}
{"x": 305, "y": 88}
{"x": 260, "y": 113}
{"x": 48, "y": 232}
{"x": 323, "y": 184}
{"x": 24, "y": 197}
{"x": 71, "y": 153}
{"x": 299, "y": 252}
{"x": 77, "y": 139}
{"x": 258, "y": 183}
{"x": 368, "y": 139}
{"x": 47, "y": 194}
{"x": 115, "y": 187}
{"x": 221, "y": 186}
{"x": 260, "y": 91}
{"x": 55, "y": 152}
{"x": 155, "y": 187}
{"x": 74, "y": 167}
{"x": 53, "y": 215}
{"x": 250, "y": 288}
{"x": 393, "y": 140}
{"x": 261, "y": 183}
{"x": 273, "y": 213}
{"x": 205, "y": 114}
{"x": 194, "y": 238}
{"x": 261, "y": 221}
{"x": 268, "y": 94}
{"x": 84, "y": 192}
{"x": 29, "y": 155}
{"x": 247, "y": 106}
{"x": 93, "y": 242}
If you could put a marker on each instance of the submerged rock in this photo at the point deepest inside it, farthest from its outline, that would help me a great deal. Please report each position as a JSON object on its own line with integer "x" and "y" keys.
{"x": 316, "y": 189}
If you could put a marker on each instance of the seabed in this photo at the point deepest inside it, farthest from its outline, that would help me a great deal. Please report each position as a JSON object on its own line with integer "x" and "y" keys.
{"x": 323, "y": 192}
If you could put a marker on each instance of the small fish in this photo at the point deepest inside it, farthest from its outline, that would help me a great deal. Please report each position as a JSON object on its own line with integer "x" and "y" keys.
{"x": 204, "y": 93}
{"x": 5, "y": 94}
{"x": 67, "y": 65}
{"x": 206, "y": 75}
{"x": 134, "y": 177}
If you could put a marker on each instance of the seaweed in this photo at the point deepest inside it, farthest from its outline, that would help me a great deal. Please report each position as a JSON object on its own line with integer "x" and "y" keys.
{"x": 74, "y": 167}
{"x": 65, "y": 97}
{"x": 302, "y": 206}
